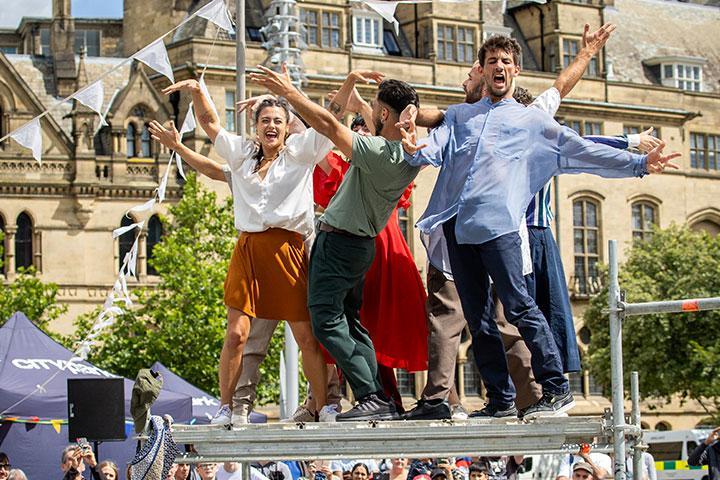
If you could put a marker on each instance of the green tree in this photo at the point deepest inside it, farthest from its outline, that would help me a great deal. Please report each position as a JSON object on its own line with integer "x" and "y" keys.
{"x": 181, "y": 321}
{"x": 675, "y": 354}
{"x": 28, "y": 294}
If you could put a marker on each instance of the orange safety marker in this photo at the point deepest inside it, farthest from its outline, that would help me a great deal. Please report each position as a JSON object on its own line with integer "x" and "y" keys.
{"x": 690, "y": 306}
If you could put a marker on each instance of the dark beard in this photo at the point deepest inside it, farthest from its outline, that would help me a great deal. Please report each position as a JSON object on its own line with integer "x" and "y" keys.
{"x": 473, "y": 96}
{"x": 378, "y": 125}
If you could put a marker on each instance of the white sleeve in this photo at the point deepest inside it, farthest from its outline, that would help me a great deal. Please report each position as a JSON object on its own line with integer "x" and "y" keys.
{"x": 603, "y": 461}
{"x": 564, "y": 470}
{"x": 235, "y": 149}
{"x": 256, "y": 475}
{"x": 308, "y": 148}
{"x": 548, "y": 101}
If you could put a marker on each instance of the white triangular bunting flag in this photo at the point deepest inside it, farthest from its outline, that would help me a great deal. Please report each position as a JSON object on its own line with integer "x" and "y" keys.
{"x": 206, "y": 93}
{"x": 30, "y": 136}
{"x": 178, "y": 162}
{"x": 119, "y": 231}
{"x": 189, "y": 124}
{"x": 144, "y": 207}
{"x": 386, "y": 10}
{"x": 132, "y": 264}
{"x": 217, "y": 13}
{"x": 155, "y": 56}
{"x": 92, "y": 97}
{"x": 163, "y": 183}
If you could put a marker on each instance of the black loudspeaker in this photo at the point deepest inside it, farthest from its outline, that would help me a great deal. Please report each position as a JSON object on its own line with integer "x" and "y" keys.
{"x": 96, "y": 409}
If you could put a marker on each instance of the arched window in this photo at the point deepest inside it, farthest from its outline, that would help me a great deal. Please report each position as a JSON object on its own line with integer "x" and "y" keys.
{"x": 586, "y": 246}
{"x": 130, "y": 138}
{"x": 644, "y": 217}
{"x": 145, "y": 142}
{"x": 24, "y": 242}
{"x": 663, "y": 427}
{"x": 126, "y": 240}
{"x": 155, "y": 231}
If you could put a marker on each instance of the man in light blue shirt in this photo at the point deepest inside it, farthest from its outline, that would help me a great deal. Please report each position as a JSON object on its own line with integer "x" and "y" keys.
{"x": 494, "y": 156}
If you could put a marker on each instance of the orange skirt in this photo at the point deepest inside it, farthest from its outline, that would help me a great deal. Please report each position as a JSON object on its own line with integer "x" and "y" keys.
{"x": 267, "y": 277}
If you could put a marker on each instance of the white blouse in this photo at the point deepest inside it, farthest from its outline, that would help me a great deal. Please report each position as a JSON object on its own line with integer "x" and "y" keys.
{"x": 284, "y": 198}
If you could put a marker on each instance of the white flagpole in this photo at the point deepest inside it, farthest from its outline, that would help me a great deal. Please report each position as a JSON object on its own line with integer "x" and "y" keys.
{"x": 240, "y": 60}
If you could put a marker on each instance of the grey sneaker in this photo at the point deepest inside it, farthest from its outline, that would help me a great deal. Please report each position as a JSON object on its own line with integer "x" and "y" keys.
{"x": 491, "y": 411}
{"x": 458, "y": 412}
{"x": 550, "y": 406}
{"x": 223, "y": 416}
{"x": 300, "y": 415}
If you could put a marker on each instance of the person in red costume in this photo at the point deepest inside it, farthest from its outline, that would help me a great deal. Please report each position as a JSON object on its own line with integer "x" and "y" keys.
{"x": 393, "y": 300}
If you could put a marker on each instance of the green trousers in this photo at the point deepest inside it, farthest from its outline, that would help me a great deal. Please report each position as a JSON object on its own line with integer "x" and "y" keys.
{"x": 338, "y": 264}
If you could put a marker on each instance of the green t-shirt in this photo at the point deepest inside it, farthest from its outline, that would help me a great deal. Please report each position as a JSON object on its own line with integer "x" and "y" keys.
{"x": 372, "y": 186}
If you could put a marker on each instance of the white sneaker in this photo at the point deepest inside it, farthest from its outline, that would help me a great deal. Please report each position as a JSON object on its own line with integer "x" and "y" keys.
{"x": 223, "y": 416}
{"x": 240, "y": 415}
{"x": 328, "y": 413}
{"x": 301, "y": 415}
{"x": 458, "y": 412}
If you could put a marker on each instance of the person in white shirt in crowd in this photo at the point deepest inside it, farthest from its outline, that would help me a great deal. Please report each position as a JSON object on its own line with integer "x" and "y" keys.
{"x": 273, "y": 470}
{"x": 649, "y": 472}
{"x": 17, "y": 474}
{"x": 339, "y": 467}
{"x": 207, "y": 471}
{"x": 582, "y": 471}
{"x": 233, "y": 471}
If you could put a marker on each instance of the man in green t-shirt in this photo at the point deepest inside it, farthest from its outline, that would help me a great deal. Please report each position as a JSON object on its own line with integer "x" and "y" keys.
{"x": 345, "y": 245}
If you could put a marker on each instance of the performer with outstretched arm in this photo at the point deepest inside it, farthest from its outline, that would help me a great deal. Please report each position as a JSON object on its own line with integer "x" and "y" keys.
{"x": 494, "y": 156}
{"x": 344, "y": 248}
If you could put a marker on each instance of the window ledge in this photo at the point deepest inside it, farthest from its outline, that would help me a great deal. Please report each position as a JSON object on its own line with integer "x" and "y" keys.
{"x": 368, "y": 50}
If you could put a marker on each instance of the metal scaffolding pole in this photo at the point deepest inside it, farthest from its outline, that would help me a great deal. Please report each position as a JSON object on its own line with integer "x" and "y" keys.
{"x": 637, "y": 441}
{"x": 616, "y": 367}
{"x": 673, "y": 306}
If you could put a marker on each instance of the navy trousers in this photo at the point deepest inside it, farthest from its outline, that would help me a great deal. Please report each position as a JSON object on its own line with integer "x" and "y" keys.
{"x": 546, "y": 284}
{"x": 501, "y": 259}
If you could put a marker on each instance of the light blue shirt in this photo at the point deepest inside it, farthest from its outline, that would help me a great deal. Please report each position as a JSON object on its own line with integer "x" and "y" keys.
{"x": 493, "y": 158}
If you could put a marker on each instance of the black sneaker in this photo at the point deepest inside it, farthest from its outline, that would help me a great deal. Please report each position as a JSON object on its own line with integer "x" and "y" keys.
{"x": 370, "y": 407}
{"x": 550, "y": 406}
{"x": 429, "y": 410}
{"x": 491, "y": 411}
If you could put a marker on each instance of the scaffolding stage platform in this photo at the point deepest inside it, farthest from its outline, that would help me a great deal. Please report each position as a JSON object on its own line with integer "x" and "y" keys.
{"x": 411, "y": 439}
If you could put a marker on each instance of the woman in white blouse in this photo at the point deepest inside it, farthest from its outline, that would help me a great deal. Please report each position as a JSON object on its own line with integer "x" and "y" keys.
{"x": 273, "y": 207}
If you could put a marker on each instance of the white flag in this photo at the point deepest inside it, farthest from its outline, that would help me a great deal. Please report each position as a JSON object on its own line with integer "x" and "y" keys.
{"x": 386, "y": 11}
{"x": 189, "y": 123}
{"x": 132, "y": 264}
{"x": 163, "y": 183}
{"x": 178, "y": 162}
{"x": 119, "y": 231}
{"x": 216, "y": 12}
{"x": 155, "y": 56}
{"x": 30, "y": 136}
{"x": 92, "y": 97}
{"x": 206, "y": 93}
{"x": 144, "y": 207}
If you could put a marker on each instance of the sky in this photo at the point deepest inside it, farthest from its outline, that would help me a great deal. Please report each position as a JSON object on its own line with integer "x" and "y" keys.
{"x": 13, "y": 10}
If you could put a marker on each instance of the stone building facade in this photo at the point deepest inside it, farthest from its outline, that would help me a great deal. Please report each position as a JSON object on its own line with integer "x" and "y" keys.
{"x": 58, "y": 216}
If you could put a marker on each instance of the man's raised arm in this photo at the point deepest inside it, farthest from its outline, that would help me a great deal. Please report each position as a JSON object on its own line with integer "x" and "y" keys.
{"x": 592, "y": 44}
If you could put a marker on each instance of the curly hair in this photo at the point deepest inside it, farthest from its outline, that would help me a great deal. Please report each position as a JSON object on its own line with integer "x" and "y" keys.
{"x": 522, "y": 96}
{"x": 500, "y": 42}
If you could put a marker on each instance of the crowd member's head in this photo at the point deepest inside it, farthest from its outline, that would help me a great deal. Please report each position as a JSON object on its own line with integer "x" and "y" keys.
{"x": 171, "y": 472}
{"x": 399, "y": 464}
{"x": 499, "y": 59}
{"x": 73, "y": 474}
{"x": 108, "y": 470}
{"x": 72, "y": 458}
{"x": 582, "y": 471}
{"x": 17, "y": 474}
{"x": 438, "y": 474}
{"x": 182, "y": 472}
{"x": 359, "y": 126}
{"x": 391, "y": 99}
{"x": 207, "y": 471}
{"x": 360, "y": 471}
{"x": 478, "y": 471}
{"x": 271, "y": 124}
{"x": 4, "y": 466}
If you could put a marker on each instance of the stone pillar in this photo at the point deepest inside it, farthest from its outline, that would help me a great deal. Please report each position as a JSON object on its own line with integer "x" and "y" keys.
{"x": 10, "y": 231}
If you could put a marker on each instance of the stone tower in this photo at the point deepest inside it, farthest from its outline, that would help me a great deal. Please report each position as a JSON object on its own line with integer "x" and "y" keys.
{"x": 146, "y": 20}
